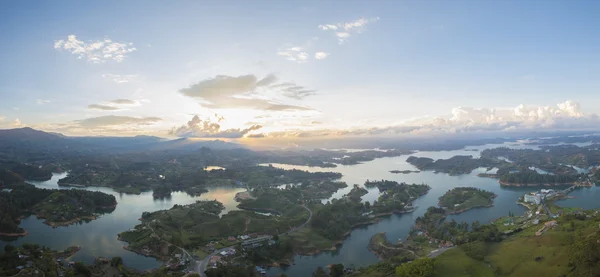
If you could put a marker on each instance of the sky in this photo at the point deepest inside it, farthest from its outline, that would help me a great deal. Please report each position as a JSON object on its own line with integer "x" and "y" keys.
{"x": 288, "y": 69}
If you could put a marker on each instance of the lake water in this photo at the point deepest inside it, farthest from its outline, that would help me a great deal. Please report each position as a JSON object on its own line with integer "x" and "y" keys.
{"x": 354, "y": 252}
{"x": 99, "y": 237}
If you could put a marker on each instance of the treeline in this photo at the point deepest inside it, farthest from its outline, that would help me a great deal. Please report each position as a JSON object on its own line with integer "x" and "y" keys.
{"x": 461, "y": 195}
{"x": 458, "y": 233}
{"x": 335, "y": 219}
{"x": 528, "y": 176}
{"x": 454, "y": 166}
{"x": 22, "y": 198}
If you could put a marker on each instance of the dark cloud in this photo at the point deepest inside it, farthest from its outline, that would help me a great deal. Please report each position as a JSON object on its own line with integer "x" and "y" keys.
{"x": 199, "y": 128}
{"x": 222, "y": 92}
{"x": 102, "y": 107}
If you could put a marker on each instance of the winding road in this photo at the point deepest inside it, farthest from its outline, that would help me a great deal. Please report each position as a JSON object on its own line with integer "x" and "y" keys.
{"x": 200, "y": 266}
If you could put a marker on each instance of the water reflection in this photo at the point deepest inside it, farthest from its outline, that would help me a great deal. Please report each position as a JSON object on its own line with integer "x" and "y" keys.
{"x": 99, "y": 237}
{"x": 354, "y": 250}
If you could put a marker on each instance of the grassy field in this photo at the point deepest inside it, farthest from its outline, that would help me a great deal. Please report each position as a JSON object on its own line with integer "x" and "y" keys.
{"x": 523, "y": 254}
{"x": 307, "y": 240}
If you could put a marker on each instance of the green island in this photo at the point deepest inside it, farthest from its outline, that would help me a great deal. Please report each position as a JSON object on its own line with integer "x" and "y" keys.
{"x": 283, "y": 221}
{"x": 384, "y": 250}
{"x": 404, "y": 171}
{"x": 456, "y": 165}
{"x": 165, "y": 176}
{"x": 356, "y": 193}
{"x": 36, "y": 260}
{"x": 458, "y": 200}
{"x": 57, "y": 207}
{"x": 396, "y": 197}
{"x": 326, "y": 158}
{"x": 548, "y": 166}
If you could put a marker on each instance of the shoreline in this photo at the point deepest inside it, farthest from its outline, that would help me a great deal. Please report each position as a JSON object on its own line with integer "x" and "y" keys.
{"x": 506, "y": 184}
{"x": 24, "y": 233}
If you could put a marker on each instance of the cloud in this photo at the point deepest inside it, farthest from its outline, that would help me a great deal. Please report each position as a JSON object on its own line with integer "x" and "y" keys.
{"x": 199, "y": 128}
{"x": 17, "y": 123}
{"x": 42, "y": 101}
{"x": 114, "y": 120}
{"x": 563, "y": 116}
{"x": 344, "y": 30}
{"x": 113, "y": 105}
{"x": 321, "y": 55}
{"x": 294, "y": 54}
{"x": 230, "y": 92}
{"x": 123, "y": 102}
{"x": 293, "y": 91}
{"x": 98, "y": 51}
{"x": 2, "y": 118}
{"x": 102, "y": 107}
{"x": 121, "y": 79}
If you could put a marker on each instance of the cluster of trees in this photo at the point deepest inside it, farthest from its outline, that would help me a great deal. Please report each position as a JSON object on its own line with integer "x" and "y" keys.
{"x": 24, "y": 197}
{"x": 335, "y": 219}
{"x": 454, "y": 166}
{"x": 271, "y": 253}
{"x": 457, "y": 233}
{"x": 29, "y": 172}
{"x": 423, "y": 267}
{"x": 231, "y": 271}
{"x": 472, "y": 197}
{"x": 528, "y": 176}
{"x": 395, "y": 198}
{"x": 336, "y": 270}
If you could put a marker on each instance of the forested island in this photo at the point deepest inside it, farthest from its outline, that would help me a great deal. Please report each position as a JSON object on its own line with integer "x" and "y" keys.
{"x": 456, "y": 165}
{"x": 404, "y": 171}
{"x": 384, "y": 250}
{"x": 458, "y": 200}
{"x": 57, "y": 207}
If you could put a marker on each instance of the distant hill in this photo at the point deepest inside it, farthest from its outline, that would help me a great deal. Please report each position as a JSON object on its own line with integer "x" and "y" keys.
{"x": 30, "y": 145}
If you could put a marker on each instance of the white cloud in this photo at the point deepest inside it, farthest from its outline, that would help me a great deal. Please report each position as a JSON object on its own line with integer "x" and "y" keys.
{"x": 294, "y": 54}
{"x": 2, "y": 118}
{"x": 114, "y": 105}
{"x": 120, "y": 79}
{"x": 17, "y": 123}
{"x": 563, "y": 116}
{"x": 321, "y": 55}
{"x": 238, "y": 92}
{"x": 98, "y": 51}
{"x": 207, "y": 129}
{"x": 328, "y": 27}
{"x": 41, "y": 101}
{"x": 344, "y": 30}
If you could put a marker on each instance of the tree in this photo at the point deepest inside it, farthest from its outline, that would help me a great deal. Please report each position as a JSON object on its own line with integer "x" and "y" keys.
{"x": 320, "y": 272}
{"x": 9, "y": 248}
{"x": 81, "y": 268}
{"x": 116, "y": 261}
{"x": 418, "y": 268}
{"x": 276, "y": 237}
{"x": 337, "y": 270}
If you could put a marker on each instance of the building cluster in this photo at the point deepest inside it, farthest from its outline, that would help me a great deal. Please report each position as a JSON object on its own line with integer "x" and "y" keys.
{"x": 538, "y": 197}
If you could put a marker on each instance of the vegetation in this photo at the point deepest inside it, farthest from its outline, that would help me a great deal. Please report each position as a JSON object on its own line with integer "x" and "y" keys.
{"x": 456, "y": 165}
{"x": 458, "y": 200}
{"x": 396, "y": 197}
{"x": 383, "y": 249}
{"x": 57, "y": 206}
{"x": 326, "y": 158}
{"x": 422, "y": 267}
{"x": 529, "y": 177}
{"x": 356, "y": 193}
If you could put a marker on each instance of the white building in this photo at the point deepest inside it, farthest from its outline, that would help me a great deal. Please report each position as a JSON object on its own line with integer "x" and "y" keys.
{"x": 533, "y": 198}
